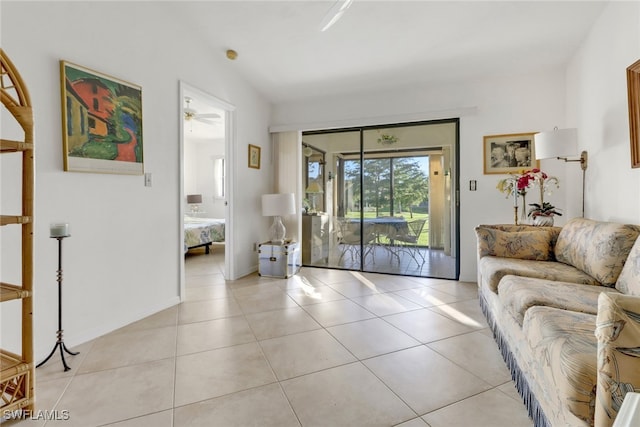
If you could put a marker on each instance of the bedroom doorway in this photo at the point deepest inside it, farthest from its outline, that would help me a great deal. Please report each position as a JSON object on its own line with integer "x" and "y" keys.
{"x": 204, "y": 185}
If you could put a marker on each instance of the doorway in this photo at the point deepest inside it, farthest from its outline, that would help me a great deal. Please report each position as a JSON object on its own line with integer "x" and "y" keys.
{"x": 205, "y": 162}
{"x": 387, "y": 196}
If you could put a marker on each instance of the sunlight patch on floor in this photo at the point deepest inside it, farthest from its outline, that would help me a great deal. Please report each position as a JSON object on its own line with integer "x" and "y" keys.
{"x": 459, "y": 316}
{"x": 364, "y": 280}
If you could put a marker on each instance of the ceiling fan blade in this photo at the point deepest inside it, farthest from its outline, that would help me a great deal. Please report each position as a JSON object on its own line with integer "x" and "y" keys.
{"x": 207, "y": 121}
{"x": 334, "y": 13}
{"x": 209, "y": 116}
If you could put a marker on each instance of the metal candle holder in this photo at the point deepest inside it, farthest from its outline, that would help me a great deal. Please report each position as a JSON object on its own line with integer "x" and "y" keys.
{"x": 59, "y": 232}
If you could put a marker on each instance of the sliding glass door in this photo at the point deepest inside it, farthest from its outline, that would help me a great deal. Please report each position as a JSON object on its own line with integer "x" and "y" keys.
{"x": 389, "y": 200}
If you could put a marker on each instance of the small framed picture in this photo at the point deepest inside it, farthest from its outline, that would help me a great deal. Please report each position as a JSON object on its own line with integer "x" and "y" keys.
{"x": 633, "y": 90}
{"x": 254, "y": 156}
{"x": 510, "y": 153}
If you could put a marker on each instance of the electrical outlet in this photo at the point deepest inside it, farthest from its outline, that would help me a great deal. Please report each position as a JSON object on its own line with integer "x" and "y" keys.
{"x": 255, "y": 247}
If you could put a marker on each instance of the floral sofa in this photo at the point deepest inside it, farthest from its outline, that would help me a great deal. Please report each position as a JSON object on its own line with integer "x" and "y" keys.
{"x": 564, "y": 307}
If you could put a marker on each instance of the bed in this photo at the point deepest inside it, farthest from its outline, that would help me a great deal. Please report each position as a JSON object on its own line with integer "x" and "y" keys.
{"x": 199, "y": 232}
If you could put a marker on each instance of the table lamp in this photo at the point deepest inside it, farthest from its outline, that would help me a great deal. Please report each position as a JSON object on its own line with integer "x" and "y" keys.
{"x": 277, "y": 205}
{"x": 313, "y": 189}
{"x": 194, "y": 200}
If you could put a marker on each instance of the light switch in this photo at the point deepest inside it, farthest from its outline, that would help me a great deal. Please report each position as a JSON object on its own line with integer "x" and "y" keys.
{"x": 147, "y": 179}
{"x": 473, "y": 185}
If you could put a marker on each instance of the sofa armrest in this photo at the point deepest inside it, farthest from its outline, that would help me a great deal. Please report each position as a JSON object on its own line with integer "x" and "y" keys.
{"x": 618, "y": 335}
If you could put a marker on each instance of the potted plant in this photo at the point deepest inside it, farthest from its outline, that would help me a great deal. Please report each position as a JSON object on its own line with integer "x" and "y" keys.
{"x": 517, "y": 185}
{"x": 542, "y": 215}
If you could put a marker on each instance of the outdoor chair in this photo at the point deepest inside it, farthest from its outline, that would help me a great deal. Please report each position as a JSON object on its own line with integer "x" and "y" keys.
{"x": 348, "y": 238}
{"x": 407, "y": 240}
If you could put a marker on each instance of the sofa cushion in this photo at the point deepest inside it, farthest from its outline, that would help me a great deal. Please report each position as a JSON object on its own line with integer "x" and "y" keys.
{"x": 518, "y": 294}
{"x": 492, "y": 269}
{"x": 564, "y": 345}
{"x": 530, "y": 244}
{"x": 629, "y": 279}
{"x": 597, "y": 248}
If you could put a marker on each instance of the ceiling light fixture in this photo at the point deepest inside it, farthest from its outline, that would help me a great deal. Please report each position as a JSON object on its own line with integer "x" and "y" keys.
{"x": 232, "y": 54}
{"x": 335, "y": 13}
{"x": 307, "y": 151}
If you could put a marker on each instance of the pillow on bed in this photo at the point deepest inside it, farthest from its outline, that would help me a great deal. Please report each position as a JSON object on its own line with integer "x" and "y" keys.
{"x": 531, "y": 245}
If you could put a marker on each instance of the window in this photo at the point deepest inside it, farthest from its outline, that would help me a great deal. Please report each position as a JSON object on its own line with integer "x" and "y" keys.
{"x": 218, "y": 177}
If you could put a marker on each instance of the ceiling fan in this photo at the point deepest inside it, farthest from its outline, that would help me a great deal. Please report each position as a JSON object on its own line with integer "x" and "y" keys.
{"x": 191, "y": 114}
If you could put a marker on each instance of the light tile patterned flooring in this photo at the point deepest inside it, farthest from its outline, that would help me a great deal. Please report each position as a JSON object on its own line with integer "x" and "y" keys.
{"x": 323, "y": 348}
{"x": 382, "y": 259}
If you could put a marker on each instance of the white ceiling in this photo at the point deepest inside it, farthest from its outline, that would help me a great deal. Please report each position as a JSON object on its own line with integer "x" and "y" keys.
{"x": 380, "y": 45}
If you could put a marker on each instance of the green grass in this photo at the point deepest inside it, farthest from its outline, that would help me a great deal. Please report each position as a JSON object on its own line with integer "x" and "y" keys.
{"x": 423, "y": 240}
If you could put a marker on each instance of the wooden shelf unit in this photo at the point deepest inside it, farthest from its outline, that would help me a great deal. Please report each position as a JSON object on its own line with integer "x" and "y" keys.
{"x": 17, "y": 370}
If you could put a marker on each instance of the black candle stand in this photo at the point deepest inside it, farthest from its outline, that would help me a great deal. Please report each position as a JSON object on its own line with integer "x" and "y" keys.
{"x": 60, "y": 341}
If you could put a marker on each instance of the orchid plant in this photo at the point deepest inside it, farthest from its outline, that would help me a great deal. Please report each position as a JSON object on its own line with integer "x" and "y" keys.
{"x": 546, "y": 185}
{"x": 517, "y": 185}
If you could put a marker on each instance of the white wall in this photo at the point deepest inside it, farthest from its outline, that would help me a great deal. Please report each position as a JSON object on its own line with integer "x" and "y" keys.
{"x": 590, "y": 94}
{"x": 506, "y": 104}
{"x": 597, "y": 106}
{"x": 122, "y": 261}
{"x": 199, "y": 174}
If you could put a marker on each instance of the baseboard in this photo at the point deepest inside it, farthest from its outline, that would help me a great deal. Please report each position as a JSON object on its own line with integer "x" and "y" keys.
{"x": 75, "y": 339}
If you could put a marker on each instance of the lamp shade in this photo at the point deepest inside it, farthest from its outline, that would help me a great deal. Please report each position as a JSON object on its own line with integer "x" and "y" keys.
{"x": 194, "y": 198}
{"x": 314, "y": 188}
{"x": 557, "y": 143}
{"x": 278, "y": 204}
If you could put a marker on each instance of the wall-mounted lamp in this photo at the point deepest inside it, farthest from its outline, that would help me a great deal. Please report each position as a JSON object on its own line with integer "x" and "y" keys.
{"x": 560, "y": 144}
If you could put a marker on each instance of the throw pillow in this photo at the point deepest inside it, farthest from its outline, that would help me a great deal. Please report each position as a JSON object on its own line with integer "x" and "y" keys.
{"x": 530, "y": 245}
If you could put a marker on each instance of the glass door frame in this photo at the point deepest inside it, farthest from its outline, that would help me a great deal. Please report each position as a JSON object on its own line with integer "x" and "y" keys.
{"x": 455, "y": 181}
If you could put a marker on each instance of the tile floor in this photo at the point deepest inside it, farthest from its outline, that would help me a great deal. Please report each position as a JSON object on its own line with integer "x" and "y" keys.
{"x": 382, "y": 259}
{"x": 323, "y": 348}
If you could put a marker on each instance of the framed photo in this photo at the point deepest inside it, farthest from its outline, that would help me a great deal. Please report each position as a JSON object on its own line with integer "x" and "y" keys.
{"x": 254, "y": 156}
{"x": 509, "y": 153}
{"x": 633, "y": 90}
{"x": 101, "y": 122}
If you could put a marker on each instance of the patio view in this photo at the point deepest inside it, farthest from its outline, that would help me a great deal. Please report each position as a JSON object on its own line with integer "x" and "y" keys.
{"x": 389, "y": 185}
{"x": 378, "y": 202}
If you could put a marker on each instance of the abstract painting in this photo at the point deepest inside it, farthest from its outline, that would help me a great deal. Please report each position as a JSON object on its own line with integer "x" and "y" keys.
{"x": 101, "y": 122}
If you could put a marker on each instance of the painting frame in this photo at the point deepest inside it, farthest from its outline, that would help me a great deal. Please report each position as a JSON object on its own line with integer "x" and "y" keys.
{"x": 101, "y": 122}
{"x": 633, "y": 92}
{"x": 254, "y": 156}
{"x": 509, "y": 153}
